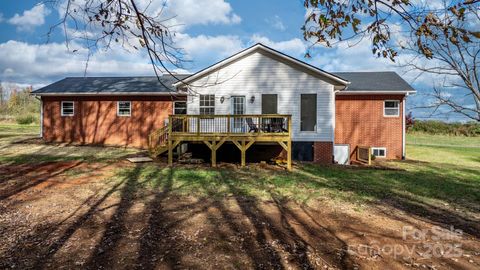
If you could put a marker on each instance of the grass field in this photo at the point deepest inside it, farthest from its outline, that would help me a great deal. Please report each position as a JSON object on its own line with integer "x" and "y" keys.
{"x": 434, "y": 172}
{"x": 94, "y": 188}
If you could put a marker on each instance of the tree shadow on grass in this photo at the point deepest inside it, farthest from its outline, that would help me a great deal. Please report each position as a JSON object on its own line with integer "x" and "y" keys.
{"x": 248, "y": 230}
{"x": 416, "y": 191}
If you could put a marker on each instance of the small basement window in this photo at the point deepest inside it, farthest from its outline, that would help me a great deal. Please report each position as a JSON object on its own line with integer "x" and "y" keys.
{"x": 180, "y": 107}
{"x": 207, "y": 104}
{"x": 67, "y": 108}
{"x": 380, "y": 152}
{"x": 124, "y": 108}
{"x": 391, "y": 108}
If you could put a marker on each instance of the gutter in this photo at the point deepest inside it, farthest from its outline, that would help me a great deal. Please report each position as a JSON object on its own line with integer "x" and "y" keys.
{"x": 343, "y": 92}
{"x": 404, "y": 149}
{"x": 110, "y": 94}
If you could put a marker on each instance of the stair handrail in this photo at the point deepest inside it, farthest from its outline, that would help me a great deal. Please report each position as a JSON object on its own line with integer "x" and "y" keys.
{"x": 157, "y": 138}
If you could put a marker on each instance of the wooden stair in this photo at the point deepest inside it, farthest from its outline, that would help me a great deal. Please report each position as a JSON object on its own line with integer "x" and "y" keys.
{"x": 158, "y": 142}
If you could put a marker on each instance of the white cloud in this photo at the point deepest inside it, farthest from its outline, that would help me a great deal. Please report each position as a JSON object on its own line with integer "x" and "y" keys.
{"x": 48, "y": 62}
{"x": 294, "y": 47}
{"x": 1, "y": 17}
{"x": 276, "y": 23}
{"x": 191, "y": 12}
{"x": 30, "y": 18}
{"x": 204, "y": 50}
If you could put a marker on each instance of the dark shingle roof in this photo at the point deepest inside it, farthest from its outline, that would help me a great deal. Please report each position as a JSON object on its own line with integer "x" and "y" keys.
{"x": 375, "y": 81}
{"x": 359, "y": 81}
{"x": 98, "y": 85}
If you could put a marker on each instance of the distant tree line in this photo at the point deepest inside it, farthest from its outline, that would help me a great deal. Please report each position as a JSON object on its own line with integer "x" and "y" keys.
{"x": 17, "y": 104}
{"x": 469, "y": 129}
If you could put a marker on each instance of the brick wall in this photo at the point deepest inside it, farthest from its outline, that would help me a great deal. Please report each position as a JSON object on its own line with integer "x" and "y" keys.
{"x": 95, "y": 120}
{"x": 323, "y": 152}
{"x": 359, "y": 120}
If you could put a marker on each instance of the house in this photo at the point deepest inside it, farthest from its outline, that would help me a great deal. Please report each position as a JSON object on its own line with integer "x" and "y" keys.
{"x": 258, "y": 96}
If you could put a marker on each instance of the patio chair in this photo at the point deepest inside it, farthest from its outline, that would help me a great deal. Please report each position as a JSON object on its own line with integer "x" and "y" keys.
{"x": 251, "y": 126}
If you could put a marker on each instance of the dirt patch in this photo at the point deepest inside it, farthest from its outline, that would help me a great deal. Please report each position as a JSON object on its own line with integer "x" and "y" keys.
{"x": 63, "y": 215}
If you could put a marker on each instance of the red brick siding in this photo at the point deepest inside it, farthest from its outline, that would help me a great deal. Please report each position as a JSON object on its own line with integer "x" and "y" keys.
{"x": 323, "y": 152}
{"x": 359, "y": 121}
{"x": 95, "y": 120}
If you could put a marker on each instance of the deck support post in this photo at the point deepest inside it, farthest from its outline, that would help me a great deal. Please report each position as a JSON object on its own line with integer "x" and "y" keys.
{"x": 214, "y": 145}
{"x": 288, "y": 148}
{"x": 170, "y": 153}
{"x": 243, "y": 147}
{"x": 289, "y": 155}
{"x": 169, "y": 138}
{"x": 214, "y": 155}
{"x": 244, "y": 151}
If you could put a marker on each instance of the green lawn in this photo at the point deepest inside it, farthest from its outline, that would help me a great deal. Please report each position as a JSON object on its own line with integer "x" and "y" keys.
{"x": 9, "y": 130}
{"x": 433, "y": 175}
{"x": 455, "y": 150}
{"x": 427, "y": 139}
{"x": 18, "y": 145}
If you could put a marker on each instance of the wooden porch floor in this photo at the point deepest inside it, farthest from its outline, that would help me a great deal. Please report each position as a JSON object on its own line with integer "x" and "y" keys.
{"x": 214, "y": 130}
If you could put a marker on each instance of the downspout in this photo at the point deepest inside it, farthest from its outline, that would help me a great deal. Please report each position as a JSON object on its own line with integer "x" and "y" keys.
{"x": 41, "y": 116}
{"x": 403, "y": 127}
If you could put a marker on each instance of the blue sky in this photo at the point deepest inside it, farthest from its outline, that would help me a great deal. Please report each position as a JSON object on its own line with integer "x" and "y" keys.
{"x": 211, "y": 30}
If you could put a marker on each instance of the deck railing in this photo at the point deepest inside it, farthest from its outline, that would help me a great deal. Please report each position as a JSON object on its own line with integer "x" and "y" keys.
{"x": 252, "y": 124}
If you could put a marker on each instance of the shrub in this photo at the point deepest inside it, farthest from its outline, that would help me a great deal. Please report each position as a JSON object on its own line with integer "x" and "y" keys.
{"x": 26, "y": 119}
{"x": 470, "y": 129}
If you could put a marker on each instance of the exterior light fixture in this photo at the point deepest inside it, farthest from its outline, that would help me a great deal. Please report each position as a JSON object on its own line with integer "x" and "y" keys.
{"x": 252, "y": 99}
{"x": 222, "y": 99}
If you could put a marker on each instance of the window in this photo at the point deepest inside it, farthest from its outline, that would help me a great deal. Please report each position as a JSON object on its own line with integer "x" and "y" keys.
{"x": 391, "y": 108}
{"x": 379, "y": 151}
{"x": 67, "y": 108}
{"x": 308, "y": 112}
{"x": 180, "y": 107}
{"x": 207, "y": 104}
{"x": 269, "y": 104}
{"x": 124, "y": 108}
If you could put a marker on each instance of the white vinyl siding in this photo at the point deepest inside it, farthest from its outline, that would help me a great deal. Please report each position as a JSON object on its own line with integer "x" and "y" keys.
{"x": 257, "y": 74}
{"x": 67, "y": 108}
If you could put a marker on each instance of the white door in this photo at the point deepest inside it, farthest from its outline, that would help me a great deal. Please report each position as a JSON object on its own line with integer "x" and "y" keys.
{"x": 341, "y": 153}
{"x": 238, "y": 108}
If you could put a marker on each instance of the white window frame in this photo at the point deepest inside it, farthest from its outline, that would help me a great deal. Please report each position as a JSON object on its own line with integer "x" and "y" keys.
{"x": 118, "y": 108}
{"x": 398, "y": 108}
{"x": 200, "y": 107}
{"x": 73, "y": 108}
{"x": 380, "y": 148}
{"x": 175, "y": 105}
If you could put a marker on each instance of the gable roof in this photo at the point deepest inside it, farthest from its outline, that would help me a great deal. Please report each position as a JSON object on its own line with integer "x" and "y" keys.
{"x": 148, "y": 85}
{"x": 375, "y": 82}
{"x": 256, "y": 47}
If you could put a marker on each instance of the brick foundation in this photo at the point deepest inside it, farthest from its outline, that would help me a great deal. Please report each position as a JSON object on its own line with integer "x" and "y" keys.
{"x": 323, "y": 152}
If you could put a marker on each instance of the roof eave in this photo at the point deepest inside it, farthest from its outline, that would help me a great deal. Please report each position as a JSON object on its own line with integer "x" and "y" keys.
{"x": 110, "y": 94}
{"x": 370, "y": 92}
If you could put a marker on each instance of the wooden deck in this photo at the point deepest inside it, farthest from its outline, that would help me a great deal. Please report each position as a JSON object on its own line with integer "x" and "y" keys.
{"x": 214, "y": 130}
